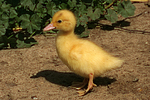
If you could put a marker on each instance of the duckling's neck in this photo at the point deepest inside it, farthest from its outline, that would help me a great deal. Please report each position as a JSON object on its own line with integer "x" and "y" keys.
{"x": 66, "y": 34}
{"x": 65, "y": 39}
{"x": 64, "y": 42}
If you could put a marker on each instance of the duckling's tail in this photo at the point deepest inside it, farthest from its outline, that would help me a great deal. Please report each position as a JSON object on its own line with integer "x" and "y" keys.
{"x": 107, "y": 64}
{"x": 114, "y": 63}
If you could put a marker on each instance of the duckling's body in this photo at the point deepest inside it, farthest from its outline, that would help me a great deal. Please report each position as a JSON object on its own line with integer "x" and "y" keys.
{"x": 84, "y": 57}
{"x": 81, "y": 56}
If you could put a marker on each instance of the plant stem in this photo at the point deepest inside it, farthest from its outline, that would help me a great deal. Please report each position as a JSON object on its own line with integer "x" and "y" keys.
{"x": 10, "y": 36}
{"x": 110, "y": 4}
{"x": 32, "y": 34}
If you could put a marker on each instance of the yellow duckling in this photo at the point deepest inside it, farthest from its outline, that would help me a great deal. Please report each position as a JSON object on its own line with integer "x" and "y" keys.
{"x": 83, "y": 57}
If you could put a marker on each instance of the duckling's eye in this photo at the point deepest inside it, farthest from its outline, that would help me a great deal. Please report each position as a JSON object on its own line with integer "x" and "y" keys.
{"x": 59, "y": 21}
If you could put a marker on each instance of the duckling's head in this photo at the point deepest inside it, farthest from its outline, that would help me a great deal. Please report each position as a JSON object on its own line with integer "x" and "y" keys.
{"x": 63, "y": 20}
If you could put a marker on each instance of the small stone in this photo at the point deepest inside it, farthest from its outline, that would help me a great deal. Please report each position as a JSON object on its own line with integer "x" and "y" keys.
{"x": 34, "y": 97}
{"x": 146, "y": 42}
{"x": 139, "y": 89}
{"x": 135, "y": 80}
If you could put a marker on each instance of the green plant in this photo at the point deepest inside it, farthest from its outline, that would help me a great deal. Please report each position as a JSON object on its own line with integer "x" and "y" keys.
{"x": 21, "y": 19}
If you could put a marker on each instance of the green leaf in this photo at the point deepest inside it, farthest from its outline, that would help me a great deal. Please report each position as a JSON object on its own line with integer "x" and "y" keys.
{"x": 1, "y": 3}
{"x": 51, "y": 7}
{"x": 5, "y": 16}
{"x": 34, "y": 26}
{"x": 13, "y": 13}
{"x": 72, "y": 3}
{"x": 41, "y": 10}
{"x": 109, "y": 1}
{"x": 5, "y": 7}
{"x": 25, "y": 17}
{"x": 22, "y": 44}
{"x": 27, "y": 3}
{"x": 42, "y": 15}
{"x": 90, "y": 12}
{"x": 85, "y": 33}
{"x": 2, "y": 30}
{"x": 126, "y": 8}
{"x": 25, "y": 24}
{"x": 63, "y": 6}
{"x": 42, "y": 1}
{"x": 35, "y": 18}
{"x": 25, "y": 44}
{"x": 83, "y": 20}
{"x": 81, "y": 9}
{"x": 115, "y": 8}
{"x": 93, "y": 15}
{"x": 111, "y": 16}
{"x": 1, "y": 45}
{"x": 4, "y": 22}
{"x": 97, "y": 13}
{"x": 49, "y": 0}
{"x": 30, "y": 28}
{"x": 1, "y": 12}
{"x": 30, "y": 23}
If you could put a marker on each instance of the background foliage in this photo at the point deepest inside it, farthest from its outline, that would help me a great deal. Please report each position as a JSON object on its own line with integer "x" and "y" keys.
{"x": 21, "y": 19}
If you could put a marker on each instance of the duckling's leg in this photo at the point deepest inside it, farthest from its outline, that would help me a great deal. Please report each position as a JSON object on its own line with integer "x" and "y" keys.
{"x": 90, "y": 85}
{"x": 79, "y": 85}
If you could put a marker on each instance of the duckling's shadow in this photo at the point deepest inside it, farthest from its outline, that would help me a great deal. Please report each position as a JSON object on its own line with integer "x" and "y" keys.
{"x": 66, "y": 78}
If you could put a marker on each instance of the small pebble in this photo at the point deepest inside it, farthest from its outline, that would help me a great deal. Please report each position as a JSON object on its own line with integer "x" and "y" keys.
{"x": 135, "y": 80}
{"x": 146, "y": 42}
{"x": 34, "y": 97}
{"x": 139, "y": 89}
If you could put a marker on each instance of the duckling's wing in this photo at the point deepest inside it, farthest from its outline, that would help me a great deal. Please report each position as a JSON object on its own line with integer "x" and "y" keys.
{"x": 87, "y": 57}
{"x": 86, "y": 50}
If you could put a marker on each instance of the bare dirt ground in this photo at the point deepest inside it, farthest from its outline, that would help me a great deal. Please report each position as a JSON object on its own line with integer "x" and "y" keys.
{"x": 37, "y": 73}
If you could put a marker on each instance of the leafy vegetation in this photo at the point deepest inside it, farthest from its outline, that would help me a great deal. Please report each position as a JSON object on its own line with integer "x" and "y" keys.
{"x": 21, "y": 19}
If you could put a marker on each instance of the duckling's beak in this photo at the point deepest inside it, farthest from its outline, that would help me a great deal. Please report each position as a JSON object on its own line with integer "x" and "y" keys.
{"x": 49, "y": 27}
